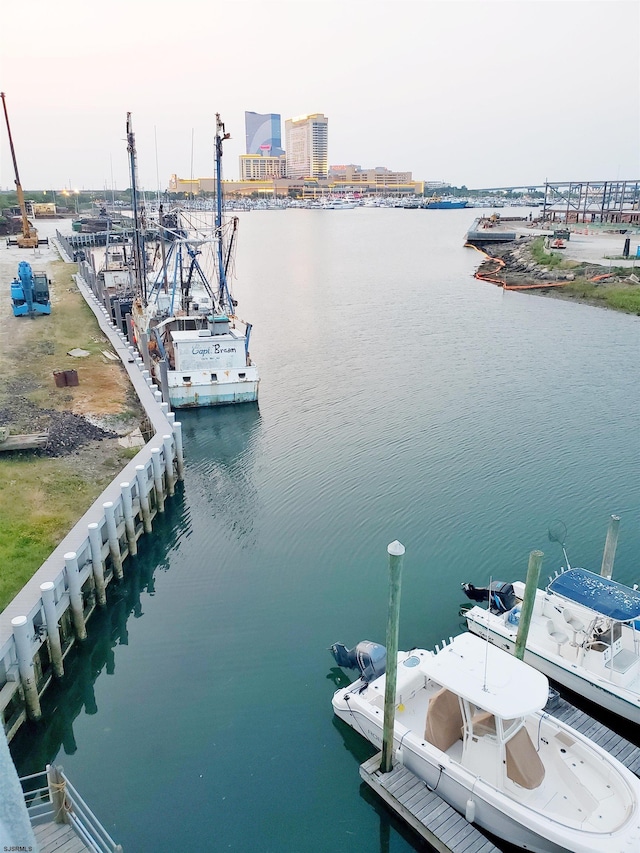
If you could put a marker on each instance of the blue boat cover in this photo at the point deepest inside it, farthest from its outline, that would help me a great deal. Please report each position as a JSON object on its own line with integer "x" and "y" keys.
{"x": 606, "y": 597}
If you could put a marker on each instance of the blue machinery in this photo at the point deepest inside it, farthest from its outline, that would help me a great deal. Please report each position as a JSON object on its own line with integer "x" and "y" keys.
{"x": 30, "y": 292}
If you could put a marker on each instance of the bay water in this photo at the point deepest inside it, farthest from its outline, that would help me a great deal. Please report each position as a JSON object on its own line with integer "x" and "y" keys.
{"x": 400, "y": 398}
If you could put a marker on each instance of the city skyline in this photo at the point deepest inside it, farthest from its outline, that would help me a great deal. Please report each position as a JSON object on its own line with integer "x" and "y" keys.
{"x": 477, "y": 94}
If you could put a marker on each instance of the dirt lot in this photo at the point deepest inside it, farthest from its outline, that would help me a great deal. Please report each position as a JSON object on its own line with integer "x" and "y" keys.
{"x": 85, "y": 421}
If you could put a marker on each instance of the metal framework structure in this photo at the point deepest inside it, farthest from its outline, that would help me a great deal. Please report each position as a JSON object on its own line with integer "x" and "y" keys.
{"x": 593, "y": 201}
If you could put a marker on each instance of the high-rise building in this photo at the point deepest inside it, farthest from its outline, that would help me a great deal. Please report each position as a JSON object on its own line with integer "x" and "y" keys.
{"x": 306, "y": 138}
{"x": 261, "y": 168}
{"x": 263, "y": 134}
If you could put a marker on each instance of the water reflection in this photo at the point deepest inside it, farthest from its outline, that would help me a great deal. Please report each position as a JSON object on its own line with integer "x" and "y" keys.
{"x": 38, "y": 744}
{"x": 222, "y": 448}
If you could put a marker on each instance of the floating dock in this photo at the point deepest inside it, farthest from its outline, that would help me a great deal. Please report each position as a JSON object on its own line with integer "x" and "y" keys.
{"x": 436, "y": 821}
{"x": 625, "y": 751}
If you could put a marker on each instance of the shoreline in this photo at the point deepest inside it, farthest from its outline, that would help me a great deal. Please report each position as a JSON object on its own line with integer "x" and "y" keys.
{"x": 582, "y": 271}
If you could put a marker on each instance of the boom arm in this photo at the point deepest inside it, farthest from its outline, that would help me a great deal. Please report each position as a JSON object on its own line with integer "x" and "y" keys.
{"x": 29, "y": 235}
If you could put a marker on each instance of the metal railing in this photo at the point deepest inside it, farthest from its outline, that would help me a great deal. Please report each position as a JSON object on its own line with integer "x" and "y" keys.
{"x": 51, "y": 798}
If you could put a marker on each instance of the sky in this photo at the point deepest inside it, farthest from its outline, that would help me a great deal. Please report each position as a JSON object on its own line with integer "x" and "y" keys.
{"x": 475, "y": 93}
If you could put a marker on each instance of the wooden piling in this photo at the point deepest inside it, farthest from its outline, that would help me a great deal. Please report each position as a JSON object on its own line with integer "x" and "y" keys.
{"x": 157, "y": 478}
{"x": 95, "y": 542}
{"x": 24, "y": 652}
{"x": 129, "y": 521}
{"x": 396, "y": 555}
{"x": 177, "y": 435}
{"x": 610, "y": 546}
{"x": 164, "y": 378}
{"x": 53, "y": 632}
{"x": 130, "y": 334}
{"x": 143, "y": 497}
{"x": 143, "y": 346}
{"x": 57, "y": 794}
{"x": 531, "y": 585}
{"x": 167, "y": 442}
{"x": 75, "y": 594}
{"x": 112, "y": 535}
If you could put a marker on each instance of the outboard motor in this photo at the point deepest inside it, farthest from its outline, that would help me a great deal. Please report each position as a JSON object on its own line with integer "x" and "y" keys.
{"x": 500, "y": 595}
{"x": 367, "y": 657}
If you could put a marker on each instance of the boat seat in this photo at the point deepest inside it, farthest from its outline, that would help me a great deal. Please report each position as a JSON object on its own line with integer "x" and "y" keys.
{"x": 483, "y": 723}
{"x": 576, "y": 625}
{"x": 557, "y": 636}
{"x": 524, "y": 766}
{"x": 444, "y": 720}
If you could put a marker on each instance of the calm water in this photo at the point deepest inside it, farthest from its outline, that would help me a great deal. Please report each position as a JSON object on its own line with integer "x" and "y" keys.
{"x": 400, "y": 399}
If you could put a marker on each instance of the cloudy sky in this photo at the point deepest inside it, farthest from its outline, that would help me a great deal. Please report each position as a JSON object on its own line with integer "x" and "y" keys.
{"x": 478, "y": 93}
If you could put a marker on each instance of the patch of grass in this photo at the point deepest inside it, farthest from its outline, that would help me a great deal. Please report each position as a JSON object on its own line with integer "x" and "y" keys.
{"x": 38, "y": 506}
{"x": 618, "y": 297}
{"x": 552, "y": 261}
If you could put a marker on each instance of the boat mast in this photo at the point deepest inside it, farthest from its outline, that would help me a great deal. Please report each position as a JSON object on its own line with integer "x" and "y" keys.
{"x": 224, "y": 297}
{"x": 138, "y": 216}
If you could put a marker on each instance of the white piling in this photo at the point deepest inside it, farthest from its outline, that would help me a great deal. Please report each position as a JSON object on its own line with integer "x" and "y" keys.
{"x": 95, "y": 541}
{"x": 143, "y": 497}
{"x": 167, "y": 441}
{"x": 75, "y": 594}
{"x": 164, "y": 407}
{"x": 157, "y": 477}
{"x": 129, "y": 521}
{"x": 53, "y": 633}
{"x": 112, "y": 536}
{"x": 177, "y": 435}
{"x": 158, "y": 396}
{"x": 171, "y": 418}
{"x": 24, "y": 652}
{"x": 149, "y": 381}
{"x": 145, "y": 375}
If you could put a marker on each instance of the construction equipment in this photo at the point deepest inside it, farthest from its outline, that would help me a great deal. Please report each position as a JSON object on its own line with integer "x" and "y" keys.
{"x": 30, "y": 292}
{"x": 29, "y": 237}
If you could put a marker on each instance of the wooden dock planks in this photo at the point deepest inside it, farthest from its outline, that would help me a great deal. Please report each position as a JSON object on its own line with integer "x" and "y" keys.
{"x": 58, "y": 838}
{"x": 436, "y": 821}
{"x": 626, "y": 752}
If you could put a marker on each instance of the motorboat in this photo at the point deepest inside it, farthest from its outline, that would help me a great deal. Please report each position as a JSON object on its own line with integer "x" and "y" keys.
{"x": 584, "y": 634}
{"x": 470, "y": 722}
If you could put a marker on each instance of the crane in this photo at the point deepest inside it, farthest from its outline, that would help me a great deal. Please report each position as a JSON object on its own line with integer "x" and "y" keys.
{"x": 29, "y": 237}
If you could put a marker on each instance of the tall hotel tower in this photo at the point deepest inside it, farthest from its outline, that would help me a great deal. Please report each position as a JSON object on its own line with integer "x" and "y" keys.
{"x": 263, "y": 134}
{"x": 306, "y": 145}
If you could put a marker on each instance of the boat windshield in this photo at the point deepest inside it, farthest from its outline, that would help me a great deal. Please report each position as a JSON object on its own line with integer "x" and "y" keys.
{"x": 599, "y": 594}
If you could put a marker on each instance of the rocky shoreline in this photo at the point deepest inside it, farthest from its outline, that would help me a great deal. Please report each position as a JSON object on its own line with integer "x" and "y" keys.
{"x": 512, "y": 266}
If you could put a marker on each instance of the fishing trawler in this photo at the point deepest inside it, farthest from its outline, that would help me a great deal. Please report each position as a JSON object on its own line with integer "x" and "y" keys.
{"x": 184, "y": 313}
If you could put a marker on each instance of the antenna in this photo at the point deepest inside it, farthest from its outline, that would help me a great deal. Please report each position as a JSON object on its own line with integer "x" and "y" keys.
{"x": 192, "y": 132}
{"x": 486, "y": 647}
{"x": 155, "y": 135}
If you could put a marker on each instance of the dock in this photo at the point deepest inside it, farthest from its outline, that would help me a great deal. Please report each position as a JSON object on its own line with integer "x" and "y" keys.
{"x": 436, "y": 821}
{"x": 617, "y": 746}
{"x": 61, "y": 820}
{"x": 484, "y": 231}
